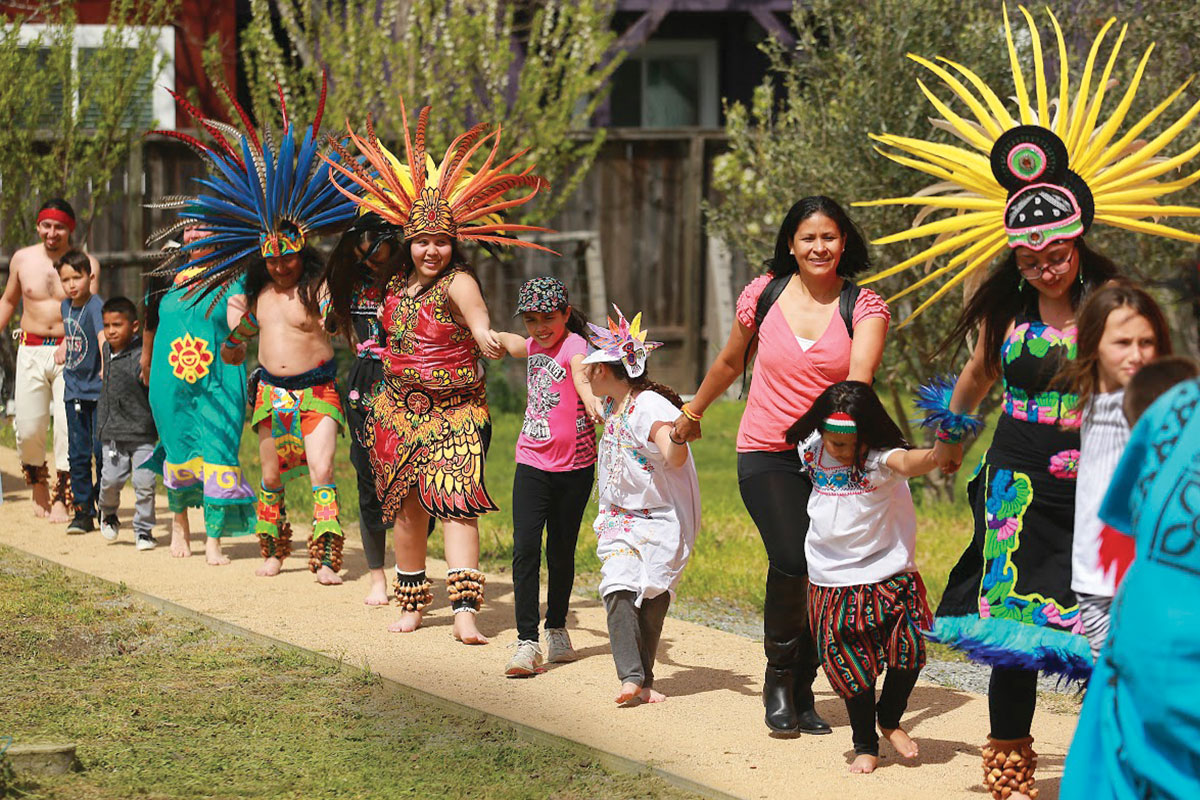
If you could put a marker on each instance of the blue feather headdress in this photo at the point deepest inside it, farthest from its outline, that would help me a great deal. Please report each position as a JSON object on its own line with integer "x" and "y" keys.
{"x": 257, "y": 201}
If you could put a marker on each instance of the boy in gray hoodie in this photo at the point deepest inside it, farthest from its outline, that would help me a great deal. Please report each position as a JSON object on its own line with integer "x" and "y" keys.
{"x": 127, "y": 432}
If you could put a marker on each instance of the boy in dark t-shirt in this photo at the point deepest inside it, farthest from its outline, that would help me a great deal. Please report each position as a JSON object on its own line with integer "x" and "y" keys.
{"x": 79, "y": 353}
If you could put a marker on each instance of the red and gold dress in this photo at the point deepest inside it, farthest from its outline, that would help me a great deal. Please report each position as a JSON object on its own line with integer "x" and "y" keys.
{"x": 423, "y": 429}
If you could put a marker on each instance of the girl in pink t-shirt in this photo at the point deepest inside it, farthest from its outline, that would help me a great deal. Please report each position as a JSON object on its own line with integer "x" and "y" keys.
{"x": 556, "y": 457}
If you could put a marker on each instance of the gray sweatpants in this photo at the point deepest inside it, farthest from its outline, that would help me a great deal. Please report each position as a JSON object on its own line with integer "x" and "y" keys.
{"x": 118, "y": 465}
{"x": 633, "y": 634}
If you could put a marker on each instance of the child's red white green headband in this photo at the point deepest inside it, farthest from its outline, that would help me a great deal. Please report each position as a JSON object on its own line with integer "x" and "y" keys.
{"x": 839, "y": 422}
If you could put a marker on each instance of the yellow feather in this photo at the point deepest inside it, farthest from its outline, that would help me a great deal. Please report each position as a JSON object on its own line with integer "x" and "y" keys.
{"x": 1018, "y": 76}
{"x": 969, "y": 203}
{"x": 1138, "y": 210}
{"x": 1039, "y": 69}
{"x": 1085, "y": 86}
{"x": 1113, "y": 152}
{"x": 1087, "y": 164}
{"x": 1130, "y": 163}
{"x": 1064, "y": 86}
{"x": 967, "y": 131}
{"x": 999, "y": 112}
{"x": 946, "y": 154}
{"x": 1152, "y": 170}
{"x": 967, "y": 180}
{"x": 1149, "y": 190}
{"x": 1153, "y": 228}
{"x": 966, "y": 255}
{"x": 956, "y": 86}
{"x": 1089, "y": 123}
{"x": 983, "y": 260}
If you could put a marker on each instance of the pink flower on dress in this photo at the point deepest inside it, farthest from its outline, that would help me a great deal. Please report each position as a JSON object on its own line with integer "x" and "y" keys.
{"x": 985, "y": 608}
{"x": 1004, "y": 528}
{"x": 353, "y": 395}
{"x": 1064, "y": 465}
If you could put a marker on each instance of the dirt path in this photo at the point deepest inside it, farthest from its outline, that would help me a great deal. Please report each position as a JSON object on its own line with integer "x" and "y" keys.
{"x": 710, "y": 732}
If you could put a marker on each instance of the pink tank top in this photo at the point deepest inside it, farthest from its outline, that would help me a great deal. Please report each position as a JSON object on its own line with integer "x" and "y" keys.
{"x": 787, "y": 379}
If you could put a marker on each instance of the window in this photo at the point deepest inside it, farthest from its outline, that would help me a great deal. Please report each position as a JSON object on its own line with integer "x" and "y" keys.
{"x": 152, "y": 105}
{"x": 670, "y": 83}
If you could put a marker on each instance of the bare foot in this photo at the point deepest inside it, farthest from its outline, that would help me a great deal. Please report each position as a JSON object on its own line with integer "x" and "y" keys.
{"x": 651, "y": 696}
{"x": 181, "y": 547}
{"x": 327, "y": 577}
{"x": 270, "y": 568}
{"x": 378, "y": 594}
{"x": 409, "y": 622}
{"x": 58, "y": 513}
{"x": 900, "y": 740}
{"x": 465, "y": 630}
{"x": 41, "y": 500}
{"x": 864, "y": 764}
{"x": 629, "y": 691}
{"x": 212, "y": 552}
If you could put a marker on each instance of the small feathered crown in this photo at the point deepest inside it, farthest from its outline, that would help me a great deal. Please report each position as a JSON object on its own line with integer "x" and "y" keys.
{"x": 421, "y": 196}
{"x": 622, "y": 341}
{"x": 1042, "y": 175}
{"x": 259, "y": 200}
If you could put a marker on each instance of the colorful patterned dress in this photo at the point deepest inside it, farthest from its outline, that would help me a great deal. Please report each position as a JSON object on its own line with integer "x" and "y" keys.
{"x": 423, "y": 429}
{"x": 1009, "y": 601}
{"x": 199, "y": 405}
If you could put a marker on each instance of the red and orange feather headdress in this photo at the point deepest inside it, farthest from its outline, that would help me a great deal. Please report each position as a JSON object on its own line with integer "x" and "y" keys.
{"x": 421, "y": 196}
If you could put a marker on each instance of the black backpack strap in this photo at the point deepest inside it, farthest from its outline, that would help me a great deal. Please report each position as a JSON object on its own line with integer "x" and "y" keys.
{"x": 846, "y": 303}
{"x": 770, "y": 294}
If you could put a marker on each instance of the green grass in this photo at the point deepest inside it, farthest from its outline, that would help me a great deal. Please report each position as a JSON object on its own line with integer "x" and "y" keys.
{"x": 729, "y": 563}
{"x": 165, "y": 708}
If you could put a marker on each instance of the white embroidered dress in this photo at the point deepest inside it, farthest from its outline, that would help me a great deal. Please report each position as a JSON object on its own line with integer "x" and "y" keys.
{"x": 649, "y": 511}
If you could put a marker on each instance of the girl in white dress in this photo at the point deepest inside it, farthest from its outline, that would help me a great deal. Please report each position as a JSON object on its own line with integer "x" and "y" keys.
{"x": 649, "y": 502}
{"x": 866, "y": 601}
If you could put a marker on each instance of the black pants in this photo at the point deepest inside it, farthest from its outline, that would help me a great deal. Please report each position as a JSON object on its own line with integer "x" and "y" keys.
{"x": 775, "y": 493}
{"x": 555, "y": 501}
{"x": 1012, "y": 697}
{"x": 365, "y": 375}
{"x": 633, "y": 634}
{"x": 864, "y": 711}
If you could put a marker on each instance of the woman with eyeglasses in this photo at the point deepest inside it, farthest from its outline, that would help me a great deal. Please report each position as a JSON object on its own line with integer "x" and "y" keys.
{"x": 1008, "y": 602}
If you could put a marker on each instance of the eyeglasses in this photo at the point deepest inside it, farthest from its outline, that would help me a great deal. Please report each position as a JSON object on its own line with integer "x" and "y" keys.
{"x": 1059, "y": 267}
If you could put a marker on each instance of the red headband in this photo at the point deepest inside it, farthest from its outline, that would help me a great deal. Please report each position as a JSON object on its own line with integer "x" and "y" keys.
{"x": 57, "y": 216}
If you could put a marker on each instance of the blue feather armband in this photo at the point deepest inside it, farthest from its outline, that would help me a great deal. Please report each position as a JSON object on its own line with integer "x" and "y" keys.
{"x": 934, "y": 399}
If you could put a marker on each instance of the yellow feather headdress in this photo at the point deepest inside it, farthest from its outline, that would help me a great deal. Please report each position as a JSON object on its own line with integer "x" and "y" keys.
{"x": 421, "y": 196}
{"x": 1114, "y": 178}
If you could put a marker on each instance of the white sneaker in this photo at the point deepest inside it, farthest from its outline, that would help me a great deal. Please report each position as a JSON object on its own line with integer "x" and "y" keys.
{"x": 109, "y": 526}
{"x": 558, "y": 647}
{"x": 525, "y": 661}
{"x": 145, "y": 542}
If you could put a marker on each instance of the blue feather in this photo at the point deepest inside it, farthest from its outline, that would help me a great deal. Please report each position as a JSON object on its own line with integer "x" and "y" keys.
{"x": 934, "y": 399}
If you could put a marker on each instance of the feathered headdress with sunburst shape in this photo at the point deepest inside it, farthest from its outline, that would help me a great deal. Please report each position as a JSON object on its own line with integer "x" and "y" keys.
{"x": 420, "y": 196}
{"x": 1044, "y": 174}
{"x": 623, "y": 341}
{"x": 258, "y": 200}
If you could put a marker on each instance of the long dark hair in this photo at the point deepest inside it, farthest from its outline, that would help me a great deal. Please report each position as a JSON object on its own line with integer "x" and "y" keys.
{"x": 875, "y": 429}
{"x": 311, "y": 269}
{"x": 854, "y": 255}
{"x": 346, "y": 269}
{"x": 1003, "y": 295}
{"x": 642, "y": 382}
{"x": 1081, "y": 375}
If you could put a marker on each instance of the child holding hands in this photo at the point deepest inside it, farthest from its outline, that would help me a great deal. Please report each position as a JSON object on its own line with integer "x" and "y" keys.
{"x": 649, "y": 502}
{"x": 867, "y": 603}
{"x": 556, "y": 457}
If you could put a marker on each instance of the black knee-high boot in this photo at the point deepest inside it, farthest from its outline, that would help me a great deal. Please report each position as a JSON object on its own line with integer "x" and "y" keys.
{"x": 791, "y": 657}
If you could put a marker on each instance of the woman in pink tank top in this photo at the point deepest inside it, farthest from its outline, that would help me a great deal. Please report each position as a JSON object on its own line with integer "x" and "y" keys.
{"x": 803, "y": 346}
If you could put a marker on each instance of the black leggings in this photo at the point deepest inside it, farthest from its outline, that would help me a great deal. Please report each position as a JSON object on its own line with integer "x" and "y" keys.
{"x": 365, "y": 374}
{"x": 775, "y": 492}
{"x": 1012, "y": 697}
{"x": 864, "y": 711}
{"x": 554, "y": 501}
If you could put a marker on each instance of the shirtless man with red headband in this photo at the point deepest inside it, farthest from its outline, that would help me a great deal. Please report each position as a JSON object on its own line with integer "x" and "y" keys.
{"x": 33, "y": 284}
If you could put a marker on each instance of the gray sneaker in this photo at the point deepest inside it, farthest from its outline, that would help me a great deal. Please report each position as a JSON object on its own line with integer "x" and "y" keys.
{"x": 109, "y": 526}
{"x": 558, "y": 647}
{"x": 145, "y": 541}
{"x": 525, "y": 661}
